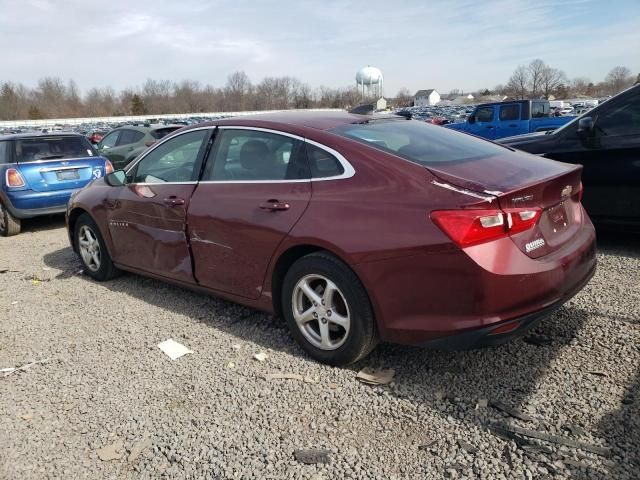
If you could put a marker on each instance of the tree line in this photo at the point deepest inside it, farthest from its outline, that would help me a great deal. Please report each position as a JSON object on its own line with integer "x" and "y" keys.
{"x": 54, "y": 98}
{"x": 539, "y": 80}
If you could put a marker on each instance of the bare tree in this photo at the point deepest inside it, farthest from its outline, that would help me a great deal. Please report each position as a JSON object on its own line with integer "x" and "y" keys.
{"x": 517, "y": 86}
{"x": 237, "y": 90}
{"x": 404, "y": 98}
{"x": 536, "y": 72}
{"x": 550, "y": 80}
{"x": 580, "y": 86}
{"x": 618, "y": 79}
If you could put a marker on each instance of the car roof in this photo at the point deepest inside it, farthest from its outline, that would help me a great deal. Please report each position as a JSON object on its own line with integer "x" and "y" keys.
{"x": 17, "y": 136}
{"x": 145, "y": 129}
{"x": 319, "y": 120}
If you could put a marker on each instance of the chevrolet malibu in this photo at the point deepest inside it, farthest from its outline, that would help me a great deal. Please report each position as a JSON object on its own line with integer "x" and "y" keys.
{"x": 354, "y": 228}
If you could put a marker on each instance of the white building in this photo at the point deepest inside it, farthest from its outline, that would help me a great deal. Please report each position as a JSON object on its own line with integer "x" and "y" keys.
{"x": 423, "y": 98}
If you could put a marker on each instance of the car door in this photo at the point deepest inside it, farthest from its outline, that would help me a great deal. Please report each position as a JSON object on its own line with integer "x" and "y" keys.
{"x": 484, "y": 125}
{"x": 510, "y": 121}
{"x": 146, "y": 217}
{"x": 255, "y": 187}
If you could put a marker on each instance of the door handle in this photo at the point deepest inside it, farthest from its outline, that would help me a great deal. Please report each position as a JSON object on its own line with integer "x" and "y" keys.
{"x": 274, "y": 205}
{"x": 173, "y": 201}
{"x": 490, "y": 126}
{"x": 513, "y": 126}
{"x": 129, "y": 149}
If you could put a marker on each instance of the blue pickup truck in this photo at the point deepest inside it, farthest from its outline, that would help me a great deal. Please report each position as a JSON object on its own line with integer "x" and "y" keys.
{"x": 505, "y": 119}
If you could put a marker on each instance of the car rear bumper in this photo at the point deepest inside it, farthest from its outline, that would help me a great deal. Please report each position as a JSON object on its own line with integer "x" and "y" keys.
{"x": 430, "y": 299}
{"x": 501, "y": 332}
{"x": 29, "y": 204}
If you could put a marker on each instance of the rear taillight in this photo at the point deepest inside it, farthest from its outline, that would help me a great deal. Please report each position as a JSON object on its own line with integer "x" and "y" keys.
{"x": 108, "y": 167}
{"x": 471, "y": 227}
{"x": 14, "y": 178}
{"x": 521, "y": 219}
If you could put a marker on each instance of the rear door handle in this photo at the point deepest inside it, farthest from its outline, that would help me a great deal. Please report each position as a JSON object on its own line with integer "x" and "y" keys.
{"x": 274, "y": 205}
{"x": 173, "y": 201}
{"x": 513, "y": 126}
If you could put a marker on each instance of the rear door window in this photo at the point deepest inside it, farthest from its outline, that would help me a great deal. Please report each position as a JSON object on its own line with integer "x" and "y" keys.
{"x": 484, "y": 114}
{"x": 509, "y": 112}
{"x": 127, "y": 137}
{"x": 253, "y": 155}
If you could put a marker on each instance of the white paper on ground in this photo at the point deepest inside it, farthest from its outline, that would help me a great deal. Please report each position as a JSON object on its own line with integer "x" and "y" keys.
{"x": 173, "y": 349}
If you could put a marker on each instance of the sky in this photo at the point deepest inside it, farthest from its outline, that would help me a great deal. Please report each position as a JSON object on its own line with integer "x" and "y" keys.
{"x": 418, "y": 44}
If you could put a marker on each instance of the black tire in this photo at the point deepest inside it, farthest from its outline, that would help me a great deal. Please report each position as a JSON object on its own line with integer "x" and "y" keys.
{"x": 9, "y": 225}
{"x": 362, "y": 336}
{"x": 106, "y": 269}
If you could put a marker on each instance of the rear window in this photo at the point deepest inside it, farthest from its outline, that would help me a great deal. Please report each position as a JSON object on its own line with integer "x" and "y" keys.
{"x": 419, "y": 142}
{"x": 163, "y": 132}
{"x": 52, "y": 147}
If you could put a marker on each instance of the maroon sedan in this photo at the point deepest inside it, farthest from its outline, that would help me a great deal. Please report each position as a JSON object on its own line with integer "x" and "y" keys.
{"x": 355, "y": 228}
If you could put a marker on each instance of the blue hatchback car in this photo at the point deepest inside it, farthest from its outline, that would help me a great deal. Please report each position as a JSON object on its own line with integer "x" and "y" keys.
{"x": 39, "y": 172}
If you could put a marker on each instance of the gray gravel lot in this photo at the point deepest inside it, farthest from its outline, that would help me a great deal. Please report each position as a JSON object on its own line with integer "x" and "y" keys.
{"x": 212, "y": 414}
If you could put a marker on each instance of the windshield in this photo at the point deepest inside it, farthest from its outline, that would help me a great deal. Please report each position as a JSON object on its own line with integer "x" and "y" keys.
{"x": 52, "y": 147}
{"x": 424, "y": 144}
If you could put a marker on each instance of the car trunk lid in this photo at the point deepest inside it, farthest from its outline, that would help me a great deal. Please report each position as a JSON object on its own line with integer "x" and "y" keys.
{"x": 523, "y": 184}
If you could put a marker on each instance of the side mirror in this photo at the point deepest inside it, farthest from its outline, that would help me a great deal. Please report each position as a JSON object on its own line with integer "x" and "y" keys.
{"x": 585, "y": 127}
{"x": 471, "y": 119}
{"x": 116, "y": 179}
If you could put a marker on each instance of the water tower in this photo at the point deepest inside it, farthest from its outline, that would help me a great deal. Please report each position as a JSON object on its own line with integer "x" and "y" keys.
{"x": 370, "y": 82}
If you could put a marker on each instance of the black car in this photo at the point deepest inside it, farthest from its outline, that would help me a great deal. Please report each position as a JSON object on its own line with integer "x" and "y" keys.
{"x": 606, "y": 141}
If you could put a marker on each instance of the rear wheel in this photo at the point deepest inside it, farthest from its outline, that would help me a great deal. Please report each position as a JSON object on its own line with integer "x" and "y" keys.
{"x": 328, "y": 310}
{"x": 95, "y": 258}
{"x": 9, "y": 225}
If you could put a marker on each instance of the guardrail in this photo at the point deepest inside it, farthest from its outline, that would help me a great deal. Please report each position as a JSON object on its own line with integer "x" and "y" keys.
{"x": 51, "y": 122}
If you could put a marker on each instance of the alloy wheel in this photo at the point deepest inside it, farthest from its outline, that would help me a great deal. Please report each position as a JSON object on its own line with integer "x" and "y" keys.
{"x": 89, "y": 248}
{"x": 321, "y": 312}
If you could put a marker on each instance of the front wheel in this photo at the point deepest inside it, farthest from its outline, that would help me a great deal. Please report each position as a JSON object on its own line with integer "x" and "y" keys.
{"x": 328, "y": 310}
{"x": 9, "y": 225}
{"x": 91, "y": 247}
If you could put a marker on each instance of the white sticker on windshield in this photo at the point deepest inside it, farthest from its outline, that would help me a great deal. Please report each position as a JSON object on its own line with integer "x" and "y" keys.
{"x": 89, "y": 152}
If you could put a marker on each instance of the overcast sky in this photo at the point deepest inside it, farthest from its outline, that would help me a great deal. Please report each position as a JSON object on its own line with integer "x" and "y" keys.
{"x": 464, "y": 44}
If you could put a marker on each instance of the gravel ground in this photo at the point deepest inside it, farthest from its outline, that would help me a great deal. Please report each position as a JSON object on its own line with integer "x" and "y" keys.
{"x": 212, "y": 414}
